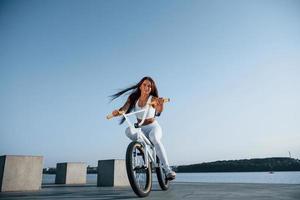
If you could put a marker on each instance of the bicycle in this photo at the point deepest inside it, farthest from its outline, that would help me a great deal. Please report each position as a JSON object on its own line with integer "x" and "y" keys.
{"x": 141, "y": 159}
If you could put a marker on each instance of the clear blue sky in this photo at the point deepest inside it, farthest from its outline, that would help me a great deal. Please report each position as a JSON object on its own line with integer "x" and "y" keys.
{"x": 231, "y": 69}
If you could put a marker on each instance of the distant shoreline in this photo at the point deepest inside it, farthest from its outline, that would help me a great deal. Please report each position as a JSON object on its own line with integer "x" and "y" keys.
{"x": 208, "y": 172}
{"x": 246, "y": 165}
{"x": 235, "y": 172}
{"x": 276, "y": 164}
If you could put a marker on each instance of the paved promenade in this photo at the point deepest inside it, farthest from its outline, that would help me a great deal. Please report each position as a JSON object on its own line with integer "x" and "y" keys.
{"x": 205, "y": 191}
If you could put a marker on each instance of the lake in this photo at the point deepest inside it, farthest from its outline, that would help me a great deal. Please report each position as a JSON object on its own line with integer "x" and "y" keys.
{"x": 228, "y": 177}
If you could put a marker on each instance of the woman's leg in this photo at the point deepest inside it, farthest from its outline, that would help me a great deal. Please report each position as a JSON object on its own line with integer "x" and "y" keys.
{"x": 155, "y": 135}
{"x": 131, "y": 133}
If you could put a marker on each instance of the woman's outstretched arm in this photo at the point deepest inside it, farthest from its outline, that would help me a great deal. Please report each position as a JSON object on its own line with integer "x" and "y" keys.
{"x": 124, "y": 108}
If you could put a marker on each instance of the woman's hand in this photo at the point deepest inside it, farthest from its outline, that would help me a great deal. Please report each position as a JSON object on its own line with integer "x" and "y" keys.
{"x": 158, "y": 104}
{"x": 117, "y": 112}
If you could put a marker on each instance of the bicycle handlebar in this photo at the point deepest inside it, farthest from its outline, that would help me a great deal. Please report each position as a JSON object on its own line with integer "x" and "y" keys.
{"x": 123, "y": 112}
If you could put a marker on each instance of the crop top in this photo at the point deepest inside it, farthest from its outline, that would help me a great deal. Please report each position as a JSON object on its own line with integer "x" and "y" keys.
{"x": 149, "y": 114}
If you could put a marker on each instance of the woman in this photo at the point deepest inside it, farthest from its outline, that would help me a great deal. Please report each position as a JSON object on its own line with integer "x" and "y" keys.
{"x": 142, "y": 93}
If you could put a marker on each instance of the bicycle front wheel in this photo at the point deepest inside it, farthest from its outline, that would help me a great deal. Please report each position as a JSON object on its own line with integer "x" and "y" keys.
{"x": 138, "y": 171}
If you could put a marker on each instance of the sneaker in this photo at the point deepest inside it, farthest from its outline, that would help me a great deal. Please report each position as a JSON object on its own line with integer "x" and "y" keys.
{"x": 171, "y": 175}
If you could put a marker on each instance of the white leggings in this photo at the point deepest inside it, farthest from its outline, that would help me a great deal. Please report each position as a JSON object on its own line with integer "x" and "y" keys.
{"x": 154, "y": 133}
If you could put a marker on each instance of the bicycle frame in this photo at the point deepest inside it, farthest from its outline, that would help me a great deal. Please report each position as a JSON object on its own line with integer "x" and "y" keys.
{"x": 148, "y": 146}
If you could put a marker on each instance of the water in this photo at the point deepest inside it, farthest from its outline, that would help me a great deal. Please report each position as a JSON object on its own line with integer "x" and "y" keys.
{"x": 241, "y": 177}
{"x": 236, "y": 177}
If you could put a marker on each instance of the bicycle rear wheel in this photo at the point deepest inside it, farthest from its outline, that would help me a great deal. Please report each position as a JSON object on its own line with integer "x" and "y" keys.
{"x": 138, "y": 171}
{"x": 161, "y": 177}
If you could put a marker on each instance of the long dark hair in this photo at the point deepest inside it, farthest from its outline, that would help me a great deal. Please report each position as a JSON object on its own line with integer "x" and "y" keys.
{"x": 135, "y": 93}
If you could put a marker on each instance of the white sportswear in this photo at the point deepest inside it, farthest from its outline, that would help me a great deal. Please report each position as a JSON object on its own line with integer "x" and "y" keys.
{"x": 153, "y": 132}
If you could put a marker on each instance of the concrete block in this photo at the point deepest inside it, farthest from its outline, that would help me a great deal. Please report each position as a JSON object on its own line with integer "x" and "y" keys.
{"x": 112, "y": 173}
{"x": 20, "y": 173}
{"x": 70, "y": 173}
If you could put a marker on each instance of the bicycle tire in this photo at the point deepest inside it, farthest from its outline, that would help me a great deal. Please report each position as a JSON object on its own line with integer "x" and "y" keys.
{"x": 161, "y": 177}
{"x": 131, "y": 170}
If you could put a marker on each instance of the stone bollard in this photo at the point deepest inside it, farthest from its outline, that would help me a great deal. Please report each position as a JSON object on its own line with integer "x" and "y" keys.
{"x": 70, "y": 173}
{"x": 112, "y": 173}
{"x": 20, "y": 173}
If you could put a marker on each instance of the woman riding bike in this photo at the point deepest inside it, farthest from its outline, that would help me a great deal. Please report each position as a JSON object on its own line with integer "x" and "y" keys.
{"x": 143, "y": 93}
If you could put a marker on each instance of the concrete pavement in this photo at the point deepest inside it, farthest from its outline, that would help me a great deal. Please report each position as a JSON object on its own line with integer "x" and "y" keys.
{"x": 205, "y": 191}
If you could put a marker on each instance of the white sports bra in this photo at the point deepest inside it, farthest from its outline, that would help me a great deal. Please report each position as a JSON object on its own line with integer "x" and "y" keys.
{"x": 149, "y": 114}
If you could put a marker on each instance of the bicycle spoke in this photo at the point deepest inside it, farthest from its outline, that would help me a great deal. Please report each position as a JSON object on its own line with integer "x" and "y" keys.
{"x": 139, "y": 168}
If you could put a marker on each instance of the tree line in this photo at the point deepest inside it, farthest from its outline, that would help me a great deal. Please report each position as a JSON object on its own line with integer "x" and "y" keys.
{"x": 245, "y": 165}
